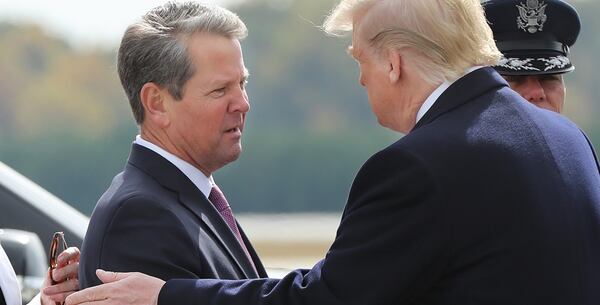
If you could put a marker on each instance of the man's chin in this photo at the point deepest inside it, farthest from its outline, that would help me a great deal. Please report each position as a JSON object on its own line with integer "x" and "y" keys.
{"x": 233, "y": 154}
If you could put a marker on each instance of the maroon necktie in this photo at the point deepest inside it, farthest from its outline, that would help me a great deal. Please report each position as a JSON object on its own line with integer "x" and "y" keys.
{"x": 220, "y": 203}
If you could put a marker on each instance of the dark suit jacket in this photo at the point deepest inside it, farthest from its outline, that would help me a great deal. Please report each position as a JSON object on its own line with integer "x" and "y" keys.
{"x": 153, "y": 219}
{"x": 488, "y": 200}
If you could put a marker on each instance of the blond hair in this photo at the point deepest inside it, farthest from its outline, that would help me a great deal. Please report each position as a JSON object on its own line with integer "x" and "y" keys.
{"x": 443, "y": 38}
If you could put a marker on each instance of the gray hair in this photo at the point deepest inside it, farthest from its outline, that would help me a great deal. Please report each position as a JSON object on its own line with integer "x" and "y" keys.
{"x": 154, "y": 48}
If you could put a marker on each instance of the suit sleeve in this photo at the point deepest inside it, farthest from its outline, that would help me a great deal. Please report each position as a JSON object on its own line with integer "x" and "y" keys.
{"x": 389, "y": 247}
{"x": 145, "y": 236}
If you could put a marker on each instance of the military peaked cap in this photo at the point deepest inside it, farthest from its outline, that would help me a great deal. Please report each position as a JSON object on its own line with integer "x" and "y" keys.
{"x": 533, "y": 35}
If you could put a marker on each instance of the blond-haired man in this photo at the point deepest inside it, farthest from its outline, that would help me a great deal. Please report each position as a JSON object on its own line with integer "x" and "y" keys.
{"x": 470, "y": 207}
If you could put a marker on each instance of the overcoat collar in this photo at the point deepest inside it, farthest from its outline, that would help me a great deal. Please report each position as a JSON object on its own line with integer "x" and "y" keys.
{"x": 463, "y": 90}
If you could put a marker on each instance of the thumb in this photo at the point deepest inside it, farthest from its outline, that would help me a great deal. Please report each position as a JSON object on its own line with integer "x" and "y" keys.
{"x": 109, "y": 277}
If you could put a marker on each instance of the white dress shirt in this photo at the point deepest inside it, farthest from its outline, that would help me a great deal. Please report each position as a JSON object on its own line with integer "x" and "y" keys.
{"x": 8, "y": 281}
{"x": 435, "y": 95}
{"x": 203, "y": 183}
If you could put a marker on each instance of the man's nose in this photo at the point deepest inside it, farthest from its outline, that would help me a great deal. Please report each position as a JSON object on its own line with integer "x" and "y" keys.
{"x": 240, "y": 103}
{"x": 533, "y": 90}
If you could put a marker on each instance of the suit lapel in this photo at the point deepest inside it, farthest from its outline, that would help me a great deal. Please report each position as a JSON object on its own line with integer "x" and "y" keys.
{"x": 190, "y": 197}
{"x": 463, "y": 90}
{"x": 213, "y": 220}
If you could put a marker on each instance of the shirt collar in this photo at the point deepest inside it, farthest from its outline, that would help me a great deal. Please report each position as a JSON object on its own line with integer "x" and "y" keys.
{"x": 433, "y": 97}
{"x": 203, "y": 183}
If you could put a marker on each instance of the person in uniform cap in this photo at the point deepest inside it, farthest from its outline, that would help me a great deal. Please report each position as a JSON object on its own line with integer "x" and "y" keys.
{"x": 534, "y": 38}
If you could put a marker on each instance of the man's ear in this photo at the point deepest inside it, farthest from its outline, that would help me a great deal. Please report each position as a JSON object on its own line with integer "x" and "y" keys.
{"x": 394, "y": 60}
{"x": 154, "y": 100}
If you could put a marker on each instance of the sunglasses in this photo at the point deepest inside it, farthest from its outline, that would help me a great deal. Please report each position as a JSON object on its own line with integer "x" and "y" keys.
{"x": 57, "y": 246}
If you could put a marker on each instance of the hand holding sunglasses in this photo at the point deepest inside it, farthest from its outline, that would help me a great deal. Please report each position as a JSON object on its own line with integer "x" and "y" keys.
{"x": 62, "y": 279}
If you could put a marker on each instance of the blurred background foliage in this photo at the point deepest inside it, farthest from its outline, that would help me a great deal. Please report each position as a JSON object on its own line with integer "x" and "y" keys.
{"x": 66, "y": 124}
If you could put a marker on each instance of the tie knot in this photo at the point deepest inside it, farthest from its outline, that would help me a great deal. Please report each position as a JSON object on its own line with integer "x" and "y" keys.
{"x": 218, "y": 199}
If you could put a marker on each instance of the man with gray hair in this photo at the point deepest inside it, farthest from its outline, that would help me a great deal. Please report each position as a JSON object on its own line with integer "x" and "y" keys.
{"x": 487, "y": 199}
{"x": 183, "y": 72}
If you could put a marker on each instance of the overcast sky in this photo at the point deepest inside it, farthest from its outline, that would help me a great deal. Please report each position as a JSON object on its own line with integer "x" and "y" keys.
{"x": 82, "y": 22}
{"x": 90, "y": 22}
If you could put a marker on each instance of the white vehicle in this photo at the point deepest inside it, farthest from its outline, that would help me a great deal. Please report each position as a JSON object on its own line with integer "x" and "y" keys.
{"x": 29, "y": 215}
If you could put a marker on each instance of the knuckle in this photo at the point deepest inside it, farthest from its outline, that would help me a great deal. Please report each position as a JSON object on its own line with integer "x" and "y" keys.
{"x": 90, "y": 296}
{"x": 74, "y": 284}
{"x": 56, "y": 275}
{"x": 72, "y": 270}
